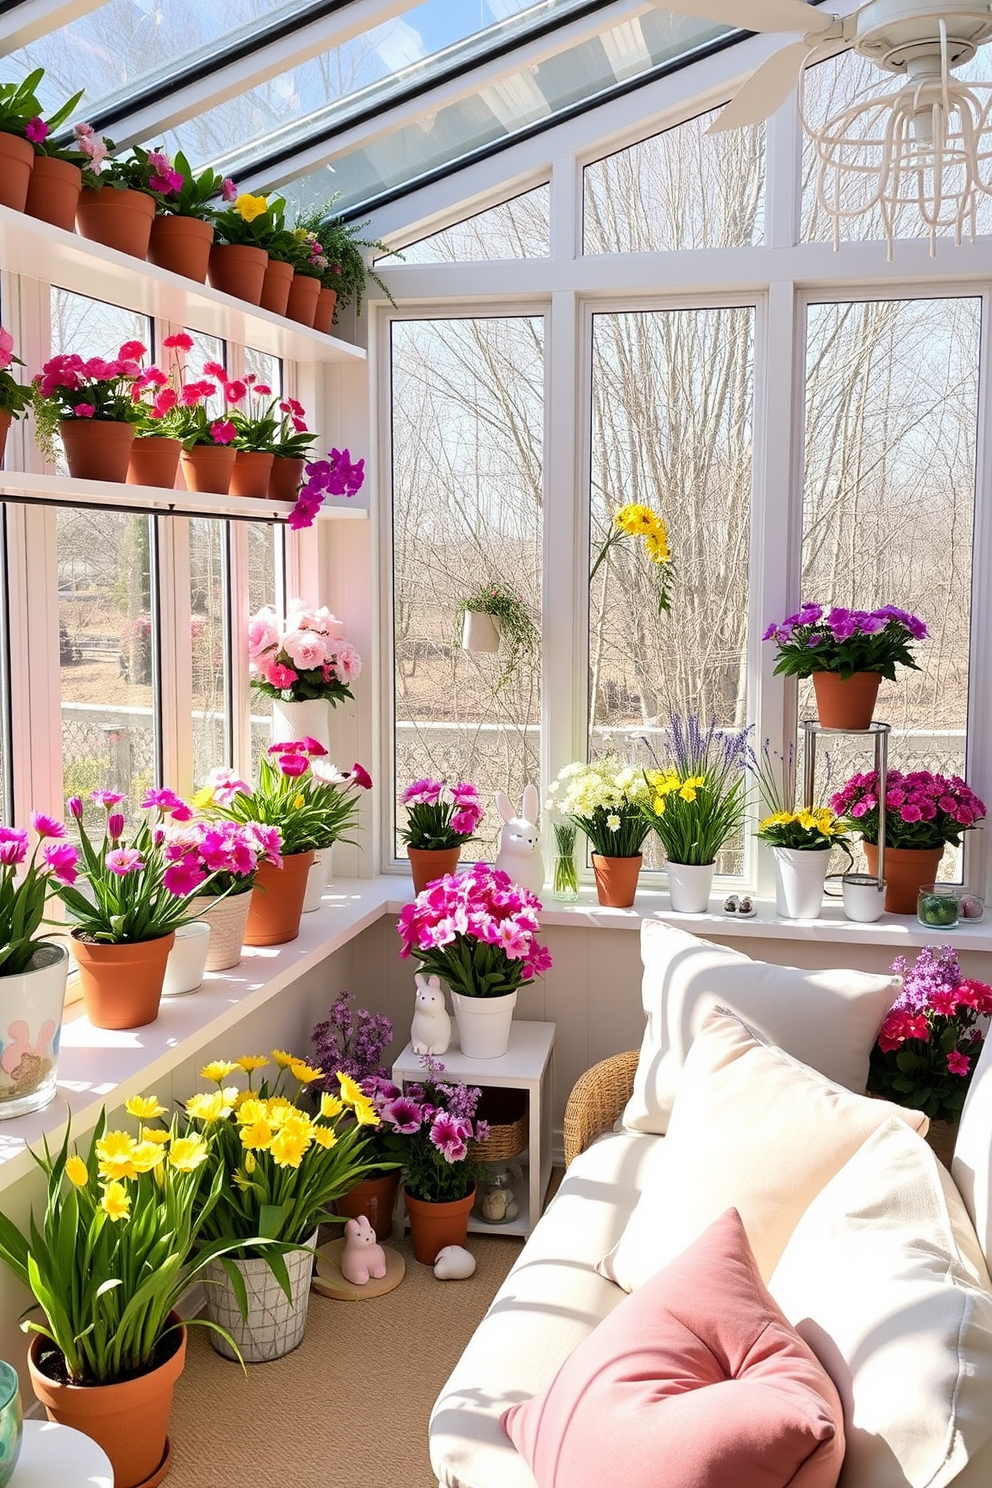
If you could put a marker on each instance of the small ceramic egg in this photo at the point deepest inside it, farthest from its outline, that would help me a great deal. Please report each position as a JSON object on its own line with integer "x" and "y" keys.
{"x": 454, "y": 1263}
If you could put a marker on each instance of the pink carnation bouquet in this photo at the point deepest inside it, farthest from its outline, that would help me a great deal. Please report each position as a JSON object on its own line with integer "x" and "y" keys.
{"x": 477, "y": 930}
{"x": 921, "y": 809}
{"x": 928, "y": 1046}
{"x": 302, "y": 657}
{"x": 439, "y": 815}
{"x": 141, "y": 886}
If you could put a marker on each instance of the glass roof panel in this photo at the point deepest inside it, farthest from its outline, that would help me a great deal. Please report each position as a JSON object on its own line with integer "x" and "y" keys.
{"x": 578, "y": 76}
{"x": 408, "y": 50}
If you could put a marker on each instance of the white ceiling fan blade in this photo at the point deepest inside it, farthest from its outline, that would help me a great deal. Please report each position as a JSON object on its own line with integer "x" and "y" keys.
{"x": 765, "y": 90}
{"x": 757, "y": 15}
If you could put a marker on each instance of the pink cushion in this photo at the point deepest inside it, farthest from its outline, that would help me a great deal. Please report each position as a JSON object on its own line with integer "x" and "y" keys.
{"x": 695, "y": 1381}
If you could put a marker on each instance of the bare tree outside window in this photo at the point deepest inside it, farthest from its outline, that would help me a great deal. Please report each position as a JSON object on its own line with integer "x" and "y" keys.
{"x": 519, "y": 228}
{"x": 468, "y": 413}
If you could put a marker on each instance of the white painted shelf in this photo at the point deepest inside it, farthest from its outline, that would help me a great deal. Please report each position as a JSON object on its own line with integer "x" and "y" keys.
{"x": 16, "y": 485}
{"x": 39, "y": 251}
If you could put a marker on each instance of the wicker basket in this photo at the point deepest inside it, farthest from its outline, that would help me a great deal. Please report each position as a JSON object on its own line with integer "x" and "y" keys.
{"x": 227, "y": 919}
{"x": 506, "y": 1112}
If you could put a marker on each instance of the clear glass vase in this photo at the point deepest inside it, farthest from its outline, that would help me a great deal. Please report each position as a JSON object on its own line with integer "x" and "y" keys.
{"x": 565, "y": 879}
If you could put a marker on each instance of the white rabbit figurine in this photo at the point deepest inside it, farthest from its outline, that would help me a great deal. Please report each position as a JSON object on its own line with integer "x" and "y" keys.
{"x": 520, "y": 847}
{"x": 430, "y": 1031}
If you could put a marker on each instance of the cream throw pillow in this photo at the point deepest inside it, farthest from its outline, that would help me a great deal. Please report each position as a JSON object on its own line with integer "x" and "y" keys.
{"x": 885, "y": 1280}
{"x": 751, "y": 1130}
{"x": 828, "y": 1019}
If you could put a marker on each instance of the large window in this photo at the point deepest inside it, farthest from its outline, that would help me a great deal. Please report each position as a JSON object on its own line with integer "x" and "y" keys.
{"x": 468, "y": 420}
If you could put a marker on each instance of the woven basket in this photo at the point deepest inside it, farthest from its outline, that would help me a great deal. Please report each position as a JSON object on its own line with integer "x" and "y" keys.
{"x": 506, "y": 1112}
{"x": 227, "y": 919}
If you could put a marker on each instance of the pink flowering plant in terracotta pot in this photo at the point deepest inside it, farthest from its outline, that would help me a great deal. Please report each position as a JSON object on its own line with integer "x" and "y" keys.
{"x": 141, "y": 886}
{"x": 476, "y": 930}
{"x": 169, "y": 404}
{"x": 290, "y": 794}
{"x": 927, "y": 1048}
{"x": 302, "y": 657}
{"x": 15, "y": 396}
{"x": 922, "y": 810}
{"x": 440, "y": 816}
{"x": 427, "y": 1129}
{"x": 836, "y": 639}
{"x": 95, "y": 389}
{"x": 231, "y": 851}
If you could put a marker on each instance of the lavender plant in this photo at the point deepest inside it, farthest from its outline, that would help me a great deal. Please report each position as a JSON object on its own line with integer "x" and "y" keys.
{"x": 699, "y": 797}
{"x": 351, "y": 1040}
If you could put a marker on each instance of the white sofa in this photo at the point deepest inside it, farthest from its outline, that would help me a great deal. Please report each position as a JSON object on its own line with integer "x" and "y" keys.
{"x": 554, "y": 1297}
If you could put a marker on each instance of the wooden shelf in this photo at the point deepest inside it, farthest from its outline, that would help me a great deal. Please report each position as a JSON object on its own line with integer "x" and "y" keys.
{"x": 39, "y": 251}
{"x": 55, "y": 490}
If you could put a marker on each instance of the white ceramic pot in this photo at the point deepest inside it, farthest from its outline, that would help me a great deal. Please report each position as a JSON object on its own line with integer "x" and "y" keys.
{"x": 480, "y": 632}
{"x": 30, "y": 1025}
{"x": 274, "y": 1324}
{"x": 689, "y": 886}
{"x": 864, "y": 897}
{"x": 227, "y": 919}
{"x": 799, "y": 881}
{"x": 187, "y": 960}
{"x": 317, "y": 878}
{"x": 483, "y": 1024}
{"x": 311, "y": 719}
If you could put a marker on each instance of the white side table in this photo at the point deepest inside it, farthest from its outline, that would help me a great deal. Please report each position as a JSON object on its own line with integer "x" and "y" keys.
{"x": 60, "y": 1457}
{"x": 526, "y": 1065}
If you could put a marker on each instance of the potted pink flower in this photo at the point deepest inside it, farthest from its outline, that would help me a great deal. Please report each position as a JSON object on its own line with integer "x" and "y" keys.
{"x": 440, "y": 820}
{"x": 305, "y": 665}
{"x": 233, "y": 851}
{"x": 15, "y": 397}
{"x": 89, "y": 404}
{"x": 478, "y": 932}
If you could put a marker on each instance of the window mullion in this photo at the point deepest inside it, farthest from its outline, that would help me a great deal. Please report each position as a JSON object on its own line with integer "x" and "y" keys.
{"x": 238, "y": 631}
{"x": 565, "y": 561}
{"x": 175, "y": 654}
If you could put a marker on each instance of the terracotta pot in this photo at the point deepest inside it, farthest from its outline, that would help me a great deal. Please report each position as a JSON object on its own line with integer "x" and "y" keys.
{"x": 129, "y": 1420}
{"x": 97, "y": 449}
{"x": 373, "y": 1197}
{"x": 154, "y": 462}
{"x": 251, "y": 472}
{"x": 277, "y": 901}
{"x": 906, "y": 869}
{"x": 4, "y": 431}
{"x": 53, "y": 191}
{"x": 324, "y": 318}
{"x": 16, "y": 164}
{"x": 181, "y": 244}
{"x": 226, "y": 918}
{"x": 616, "y": 880}
{"x": 119, "y": 219}
{"x": 122, "y": 984}
{"x": 429, "y": 863}
{"x": 845, "y": 705}
{"x": 941, "y": 1138}
{"x": 208, "y": 467}
{"x": 433, "y": 1226}
{"x": 302, "y": 303}
{"x": 285, "y": 478}
{"x": 238, "y": 270}
{"x": 275, "y": 286}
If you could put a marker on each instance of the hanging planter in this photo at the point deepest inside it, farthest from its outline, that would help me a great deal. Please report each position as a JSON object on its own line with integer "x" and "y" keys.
{"x": 251, "y": 473}
{"x": 274, "y": 1323}
{"x": 122, "y": 984}
{"x": 493, "y": 618}
{"x": 16, "y": 164}
{"x": 480, "y": 632}
{"x": 208, "y": 468}
{"x": 32, "y": 1021}
{"x": 238, "y": 269}
{"x": 118, "y": 219}
{"x": 97, "y": 449}
{"x": 275, "y": 286}
{"x": 181, "y": 244}
{"x": 301, "y": 305}
{"x": 324, "y": 318}
{"x": 277, "y": 901}
{"x": 154, "y": 462}
{"x": 53, "y": 191}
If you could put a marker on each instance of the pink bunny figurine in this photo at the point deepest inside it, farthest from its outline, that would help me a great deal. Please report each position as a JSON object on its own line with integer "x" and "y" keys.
{"x": 361, "y": 1258}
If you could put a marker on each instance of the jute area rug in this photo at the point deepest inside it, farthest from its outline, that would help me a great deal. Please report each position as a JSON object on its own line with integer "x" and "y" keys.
{"x": 347, "y": 1409}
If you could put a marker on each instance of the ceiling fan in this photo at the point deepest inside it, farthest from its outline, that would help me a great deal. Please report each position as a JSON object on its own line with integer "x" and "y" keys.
{"x": 926, "y": 142}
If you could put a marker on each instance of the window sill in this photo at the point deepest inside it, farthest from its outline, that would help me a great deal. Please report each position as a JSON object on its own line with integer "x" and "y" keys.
{"x": 61, "y": 490}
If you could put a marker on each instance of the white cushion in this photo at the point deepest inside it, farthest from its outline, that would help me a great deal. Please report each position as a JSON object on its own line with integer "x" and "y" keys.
{"x": 826, "y": 1019}
{"x": 551, "y": 1300}
{"x": 751, "y": 1130}
{"x": 885, "y": 1280}
{"x": 972, "y": 1164}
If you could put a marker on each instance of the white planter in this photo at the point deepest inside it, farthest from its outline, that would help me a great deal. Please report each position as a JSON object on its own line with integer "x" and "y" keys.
{"x": 291, "y": 721}
{"x": 274, "y": 1325}
{"x": 187, "y": 960}
{"x": 317, "y": 878}
{"x": 227, "y": 919}
{"x": 483, "y": 1024}
{"x": 30, "y": 1026}
{"x": 689, "y": 886}
{"x": 799, "y": 880}
{"x": 480, "y": 632}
